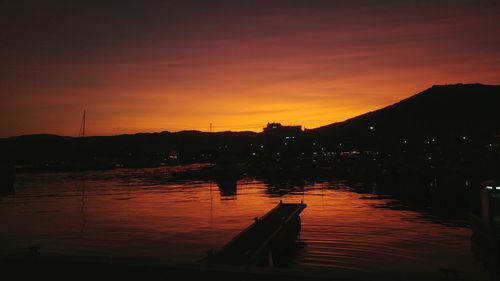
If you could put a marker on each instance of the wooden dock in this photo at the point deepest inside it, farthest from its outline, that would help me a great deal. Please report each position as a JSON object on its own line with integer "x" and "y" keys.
{"x": 263, "y": 240}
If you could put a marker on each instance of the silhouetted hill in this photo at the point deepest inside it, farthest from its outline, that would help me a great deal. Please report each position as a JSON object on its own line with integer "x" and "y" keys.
{"x": 54, "y": 153}
{"x": 443, "y": 113}
{"x": 444, "y": 122}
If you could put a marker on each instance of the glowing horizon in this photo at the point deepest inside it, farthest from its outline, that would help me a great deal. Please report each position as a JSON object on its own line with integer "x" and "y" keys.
{"x": 181, "y": 65}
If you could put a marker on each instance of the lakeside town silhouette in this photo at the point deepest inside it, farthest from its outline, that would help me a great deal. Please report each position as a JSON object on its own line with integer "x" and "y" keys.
{"x": 438, "y": 149}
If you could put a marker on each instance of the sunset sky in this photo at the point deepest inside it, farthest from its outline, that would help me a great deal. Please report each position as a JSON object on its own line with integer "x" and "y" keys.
{"x": 143, "y": 66}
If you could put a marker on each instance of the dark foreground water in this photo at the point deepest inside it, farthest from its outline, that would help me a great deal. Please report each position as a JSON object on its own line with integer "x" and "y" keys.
{"x": 140, "y": 213}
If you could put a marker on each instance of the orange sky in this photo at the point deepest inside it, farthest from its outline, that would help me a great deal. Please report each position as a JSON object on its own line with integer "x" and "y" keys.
{"x": 175, "y": 65}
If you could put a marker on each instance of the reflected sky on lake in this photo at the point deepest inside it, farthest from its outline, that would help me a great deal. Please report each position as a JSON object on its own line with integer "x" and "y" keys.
{"x": 141, "y": 213}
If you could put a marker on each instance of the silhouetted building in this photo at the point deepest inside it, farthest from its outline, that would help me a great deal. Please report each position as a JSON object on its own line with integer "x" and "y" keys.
{"x": 277, "y": 128}
{"x": 173, "y": 154}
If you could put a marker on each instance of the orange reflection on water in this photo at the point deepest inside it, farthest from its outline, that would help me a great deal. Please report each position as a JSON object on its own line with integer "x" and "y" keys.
{"x": 139, "y": 214}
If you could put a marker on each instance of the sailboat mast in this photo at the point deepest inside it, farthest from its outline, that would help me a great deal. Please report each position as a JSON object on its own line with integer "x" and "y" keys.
{"x": 83, "y": 122}
{"x": 81, "y": 133}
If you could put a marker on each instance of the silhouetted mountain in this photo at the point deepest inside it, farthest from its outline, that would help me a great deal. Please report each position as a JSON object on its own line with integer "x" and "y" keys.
{"x": 55, "y": 153}
{"x": 442, "y": 122}
{"x": 444, "y": 113}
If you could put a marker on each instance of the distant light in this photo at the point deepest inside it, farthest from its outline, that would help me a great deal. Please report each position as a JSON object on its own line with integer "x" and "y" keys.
{"x": 261, "y": 146}
{"x": 286, "y": 143}
{"x": 314, "y": 143}
{"x": 253, "y": 153}
{"x": 371, "y": 127}
{"x": 497, "y": 188}
{"x": 464, "y": 138}
{"x": 277, "y": 153}
{"x": 489, "y": 187}
{"x": 287, "y": 137}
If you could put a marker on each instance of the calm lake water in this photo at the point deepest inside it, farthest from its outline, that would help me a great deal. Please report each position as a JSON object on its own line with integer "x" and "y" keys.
{"x": 141, "y": 213}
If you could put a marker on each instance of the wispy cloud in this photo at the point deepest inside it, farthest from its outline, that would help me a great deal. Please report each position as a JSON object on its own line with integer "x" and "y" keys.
{"x": 178, "y": 64}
